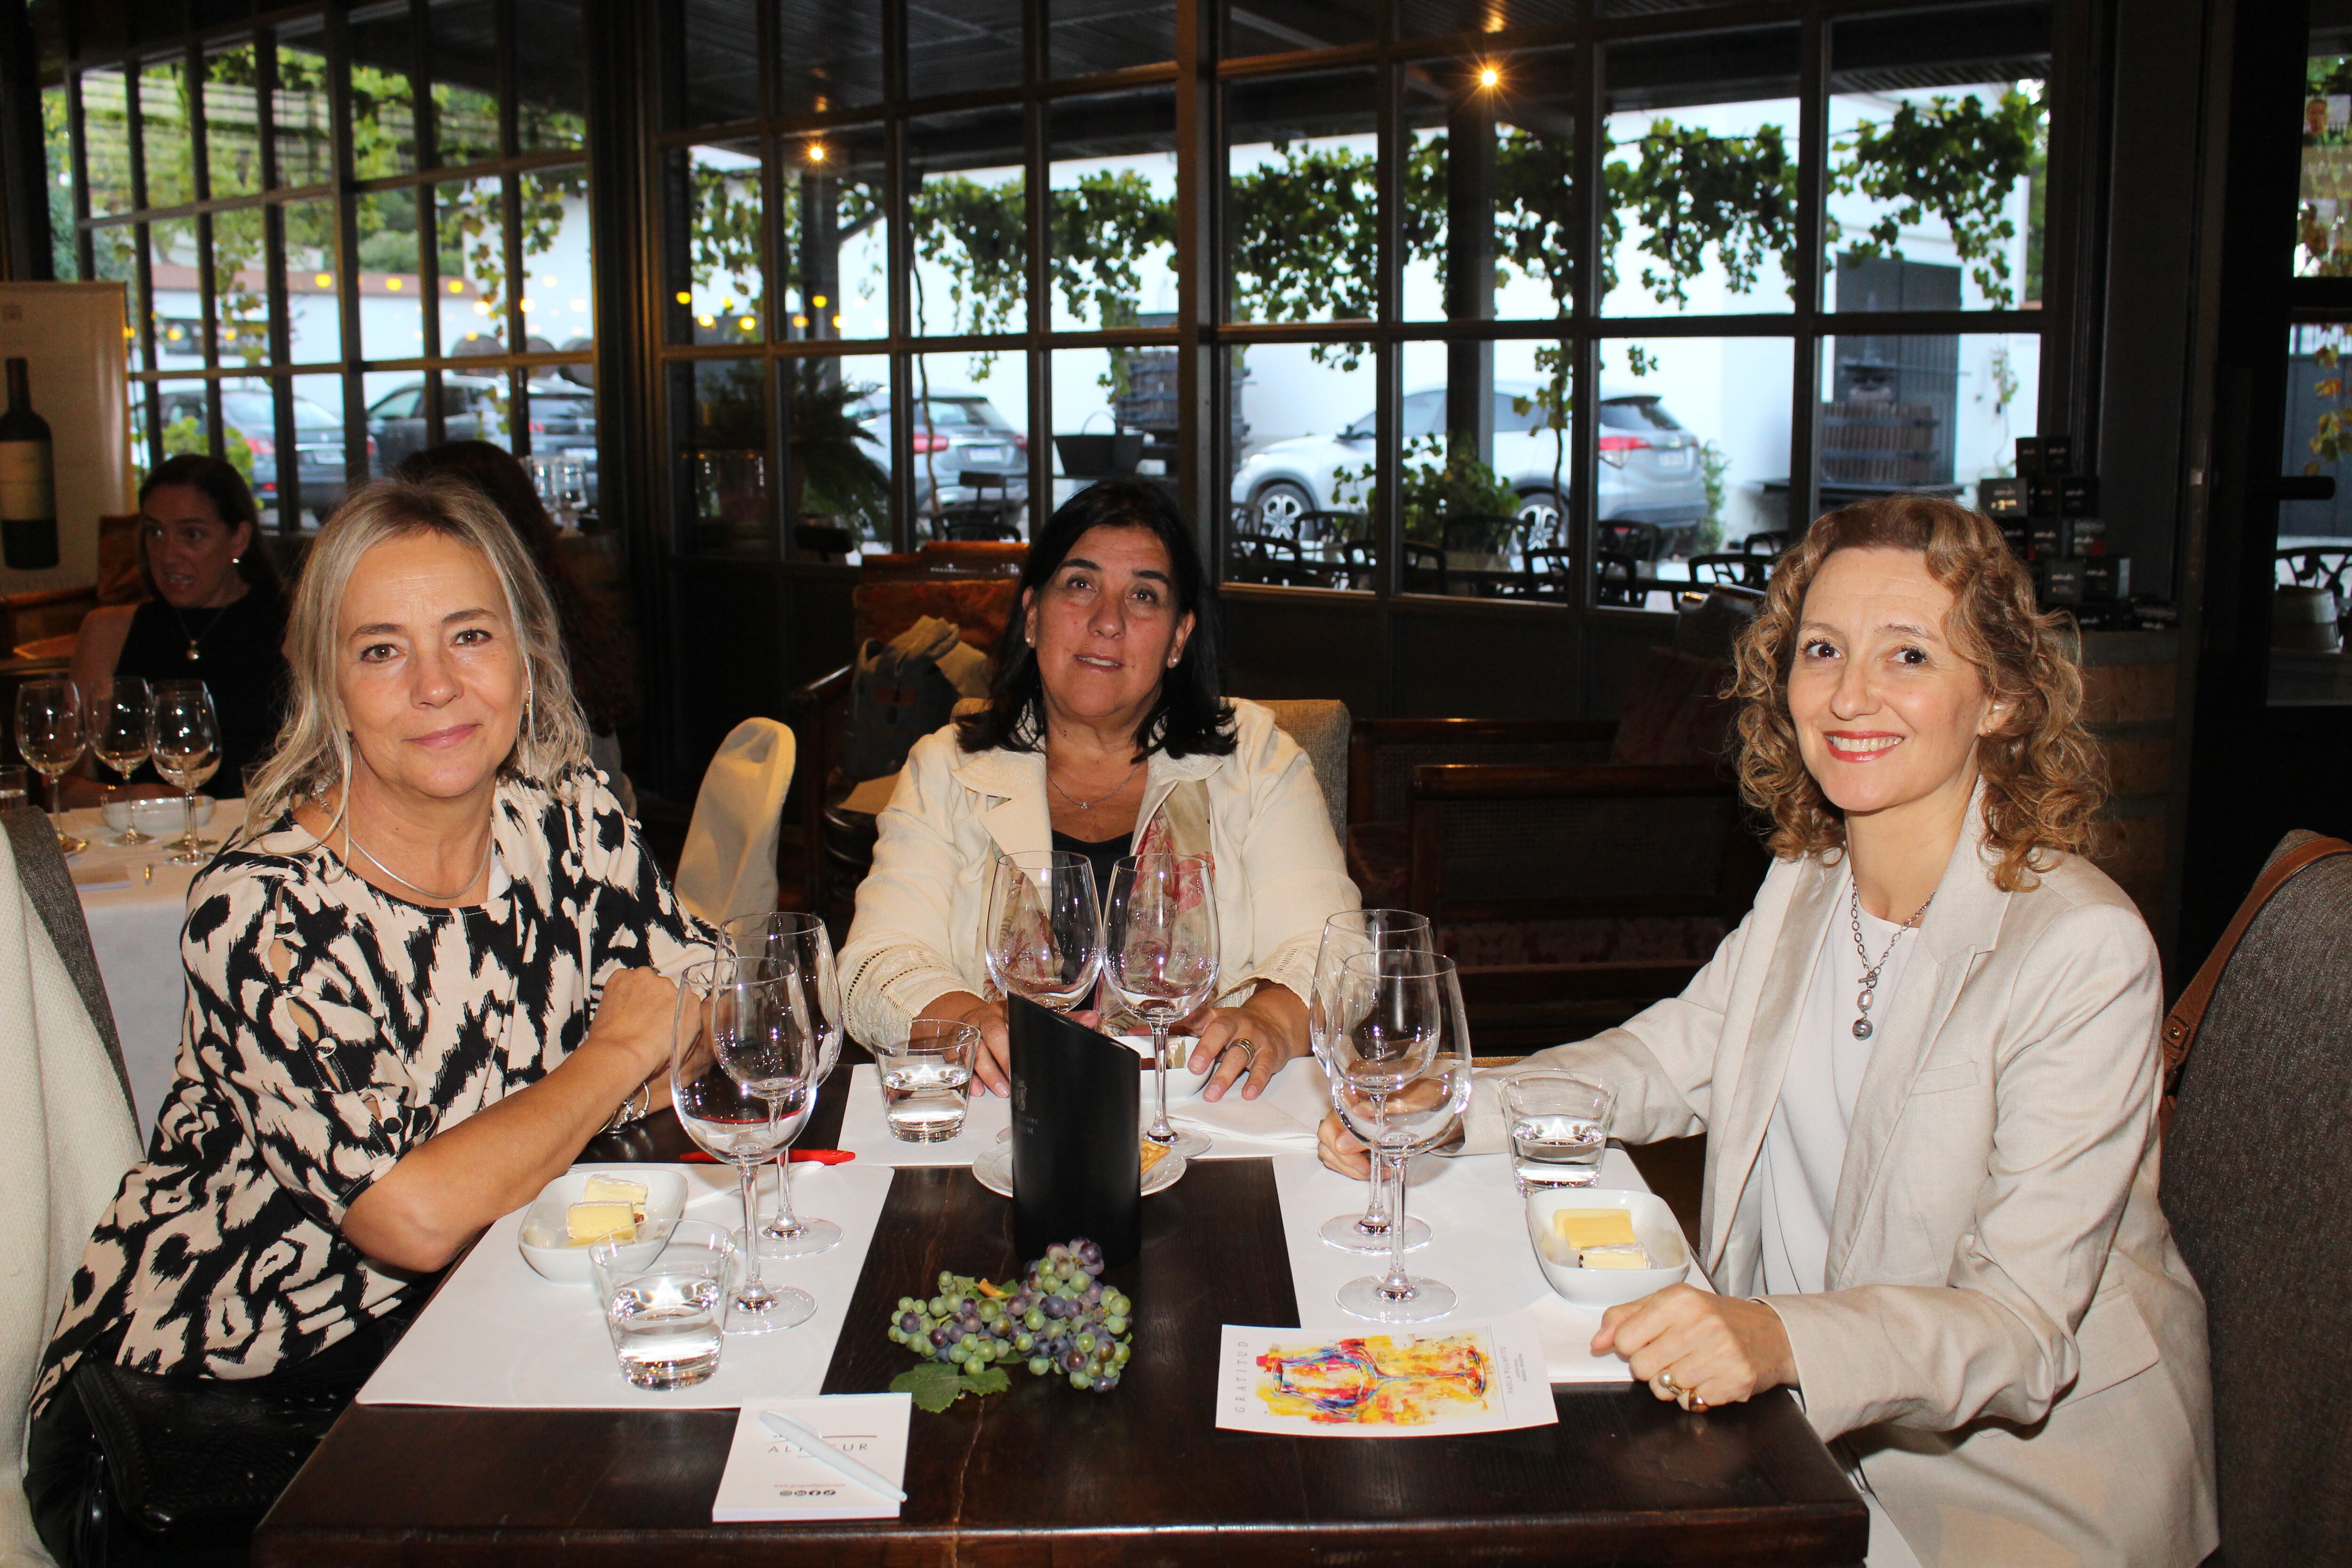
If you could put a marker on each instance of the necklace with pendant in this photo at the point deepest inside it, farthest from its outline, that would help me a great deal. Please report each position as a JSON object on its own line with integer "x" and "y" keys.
{"x": 196, "y": 639}
{"x": 1089, "y": 805}
{"x": 1861, "y": 1027}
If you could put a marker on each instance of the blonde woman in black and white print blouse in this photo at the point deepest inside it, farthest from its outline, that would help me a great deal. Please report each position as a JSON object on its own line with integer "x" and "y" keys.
{"x": 415, "y": 996}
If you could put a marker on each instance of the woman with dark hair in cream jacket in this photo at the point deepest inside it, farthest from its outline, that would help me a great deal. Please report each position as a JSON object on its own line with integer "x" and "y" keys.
{"x": 1926, "y": 1063}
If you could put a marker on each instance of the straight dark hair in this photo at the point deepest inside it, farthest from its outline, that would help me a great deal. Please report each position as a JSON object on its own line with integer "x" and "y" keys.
{"x": 232, "y": 502}
{"x": 1191, "y": 713}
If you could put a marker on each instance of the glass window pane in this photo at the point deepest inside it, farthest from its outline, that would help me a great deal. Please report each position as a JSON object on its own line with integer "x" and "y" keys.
{"x": 837, "y": 445}
{"x": 1486, "y": 460}
{"x": 971, "y": 457}
{"x": 115, "y": 252}
{"x": 1285, "y": 27}
{"x": 971, "y": 228}
{"x": 318, "y": 472}
{"x": 1917, "y": 413}
{"x": 1939, "y": 134}
{"x": 963, "y": 48}
{"x": 397, "y": 406}
{"x": 558, "y": 280}
{"x": 1492, "y": 238}
{"x": 551, "y": 77}
{"x": 2312, "y": 604}
{"x": 831, "y": 55}
{"x": 835, "y": 250}
{"x": 58, "y": 161}
{"x": 106, "y": 140}
{"x": 1089, "y": 36}
{"x": 164, "y": 134}
{"x": 384, "y": 92}
{"x": 724, "y": 462}
{"x": 1114, "y": 416}
{"x": 181, "y": 420}
{"x": 717, "y": 286}
{"x": 1112, "y": 226}
{"x": 476, "y": 405}
{"x": 1303, "y": 450}
{"x": 1301, "y": 198}
{"x": 299, "y": 108}
{"x": 240, "y": 287}
{"x": 232, "y": 120}
{"x": 314, "y": 320}
{"x": 1702, "y": 174}
{"x": 1694, "y": 449}
{"x": 172, "y": 263}
{"x": 715, "y": 55}
{"x": 249, "y": 434}
{"x": 471, "y": 228}
{"x": 464, "y": 38}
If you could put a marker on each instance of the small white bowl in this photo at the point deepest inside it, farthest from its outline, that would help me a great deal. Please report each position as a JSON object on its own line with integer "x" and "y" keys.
{"x": 544, "y": 1228}
{"x": 1655, "y": 1226}
{"x": 155, "y": 816}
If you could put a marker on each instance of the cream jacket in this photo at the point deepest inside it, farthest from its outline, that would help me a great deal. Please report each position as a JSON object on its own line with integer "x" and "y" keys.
{"x": 917, "y": 935}
{"x": 2010, "y": 1342}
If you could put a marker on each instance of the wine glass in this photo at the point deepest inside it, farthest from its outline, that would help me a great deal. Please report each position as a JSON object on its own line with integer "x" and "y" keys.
{"x": 119, "y": 739}
{"x": 183, "y": 736}
{"x": 741, "y": 1079}
{"x": 1399, "y": 1058}
{"x": 794, "y": 950}
{"x": 1044, "y": 927}
{"x": 1348, "y": 935}
{"x": 49, "y": 733}
{"x": 1159, "y": 953}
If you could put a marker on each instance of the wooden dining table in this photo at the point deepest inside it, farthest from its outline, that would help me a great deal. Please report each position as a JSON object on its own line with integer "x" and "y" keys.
{"x": 1044, "y": 1473}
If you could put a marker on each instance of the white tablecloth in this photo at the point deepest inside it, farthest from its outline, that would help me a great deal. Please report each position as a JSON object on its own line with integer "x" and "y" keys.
{"x": 136, "y": 902}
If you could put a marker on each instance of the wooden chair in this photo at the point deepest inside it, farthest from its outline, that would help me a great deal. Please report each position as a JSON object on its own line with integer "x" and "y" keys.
{"x": 1739, "y": 569}
{"x": 1423, "y": 569}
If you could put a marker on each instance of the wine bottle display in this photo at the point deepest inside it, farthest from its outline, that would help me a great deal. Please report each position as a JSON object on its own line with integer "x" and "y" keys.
{"x": 28, "y": 492}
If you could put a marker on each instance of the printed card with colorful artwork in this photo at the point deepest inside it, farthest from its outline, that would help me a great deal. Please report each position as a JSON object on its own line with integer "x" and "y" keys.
{"x": 1400, "y": 1380}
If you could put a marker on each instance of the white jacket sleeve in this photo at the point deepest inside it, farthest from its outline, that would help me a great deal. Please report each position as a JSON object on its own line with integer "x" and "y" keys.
{"x": 1291, "y": 865}
{"x": 899, "y": 957}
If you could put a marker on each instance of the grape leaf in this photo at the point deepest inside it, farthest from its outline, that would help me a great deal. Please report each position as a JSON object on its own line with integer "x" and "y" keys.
{"x": 935, "y": 1384}
{"x": 987, "y": 1380}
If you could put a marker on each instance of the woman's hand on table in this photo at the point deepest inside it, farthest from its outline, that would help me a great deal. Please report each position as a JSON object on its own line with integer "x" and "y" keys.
{"x": 1695, "y": 1349}
{"x": 993, "y": 1064}
{"x": 1255, "y": 1038}
{"x": 1341, "y": 1149}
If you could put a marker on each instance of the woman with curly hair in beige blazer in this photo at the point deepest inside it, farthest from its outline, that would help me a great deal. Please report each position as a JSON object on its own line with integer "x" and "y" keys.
{"x": 1926, "y": 1063}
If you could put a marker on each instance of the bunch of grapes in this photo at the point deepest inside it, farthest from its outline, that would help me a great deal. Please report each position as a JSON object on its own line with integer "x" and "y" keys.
{"x": 1061, "y": 1317}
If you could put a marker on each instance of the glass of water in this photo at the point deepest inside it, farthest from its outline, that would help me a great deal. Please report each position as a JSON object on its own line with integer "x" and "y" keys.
{"x": 1560, "y": 1125}
{"x": 925, "y": 1081}
{"x": 664, "y": 1296}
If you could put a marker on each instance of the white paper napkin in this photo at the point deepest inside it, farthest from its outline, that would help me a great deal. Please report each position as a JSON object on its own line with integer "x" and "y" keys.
{"x": 1478, "y": 1244}
{"x": 1283, "y": 1117}
{"x": 498, "y": 1335}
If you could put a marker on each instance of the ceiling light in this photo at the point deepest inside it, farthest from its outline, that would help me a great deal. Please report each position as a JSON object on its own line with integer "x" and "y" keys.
{"x": 748, "y": 323}
{"x": 325, "y": 280}
{"x": 816, "y": 152}
{"x": 1488, "y": 76}
{"x": 684, "y": 298}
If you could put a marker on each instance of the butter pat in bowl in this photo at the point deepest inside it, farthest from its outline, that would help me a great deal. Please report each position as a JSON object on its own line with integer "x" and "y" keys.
{"x": 590, "y": 1202}
{"x": 1600, "y": 1246}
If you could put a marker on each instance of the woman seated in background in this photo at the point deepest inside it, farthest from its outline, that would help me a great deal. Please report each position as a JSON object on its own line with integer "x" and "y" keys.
{"x": 1106, "y": 734}
{"x": 1927, "y": 1067}
{"x": 412, "y": 996}
{"x": 218, "y": 614}
{"x": 595, "y": 646}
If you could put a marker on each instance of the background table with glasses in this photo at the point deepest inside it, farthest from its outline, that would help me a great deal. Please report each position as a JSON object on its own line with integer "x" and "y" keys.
{"x": 1044, "y": 1473}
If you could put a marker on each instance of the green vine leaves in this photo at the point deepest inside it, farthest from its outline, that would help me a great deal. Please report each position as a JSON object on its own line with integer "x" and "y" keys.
{"x": 1956, "y": 159}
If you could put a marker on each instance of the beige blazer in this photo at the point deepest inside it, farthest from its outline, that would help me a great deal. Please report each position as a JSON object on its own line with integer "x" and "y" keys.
{"x": 2010, "y": 1342}
{"x": 917, "y": 934}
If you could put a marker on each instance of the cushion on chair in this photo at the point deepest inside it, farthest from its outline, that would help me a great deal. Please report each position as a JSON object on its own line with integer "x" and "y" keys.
{"x": 2254, "y": 1186}
{"x": 1321, "y": 728}
{"x": 728, "y": 866}
{"x": 66, "y": 1137}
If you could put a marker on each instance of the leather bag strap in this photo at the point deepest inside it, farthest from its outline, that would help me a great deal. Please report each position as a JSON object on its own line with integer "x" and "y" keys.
{"x": 2180, "y": 1025}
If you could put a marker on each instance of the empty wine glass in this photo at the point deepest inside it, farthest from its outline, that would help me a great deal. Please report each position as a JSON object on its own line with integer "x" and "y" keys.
{"x": 49, "y": 733}
{"x": 1159, "y": 953}
{"x": 742, "y": 1080}
{"x": 119, "y": 739}
{"x": 1044, "y": 930}
{"x": 184, "y": 737}
{"x": 1399, "y": 1058}
{"x": 1348, "y": 935}
{"x": 795, "y": 951}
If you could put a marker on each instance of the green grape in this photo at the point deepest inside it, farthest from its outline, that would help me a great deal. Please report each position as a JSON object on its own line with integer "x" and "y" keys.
{"x": 1115, "y": 1323}
{"x": 1080, "y": 1380}
{"x": 1039, "y": 1366}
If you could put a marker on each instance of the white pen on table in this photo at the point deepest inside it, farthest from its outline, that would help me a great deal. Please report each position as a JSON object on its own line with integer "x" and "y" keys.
{"x": 810, "y": 1442}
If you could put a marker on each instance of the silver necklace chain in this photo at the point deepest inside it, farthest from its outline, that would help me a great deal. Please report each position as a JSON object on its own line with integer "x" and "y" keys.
{"x": 488, "y": 845}
{"x": 1089, "y": 804}
{"x": 196, "y": 639}
{"x": 1870, "y": 971}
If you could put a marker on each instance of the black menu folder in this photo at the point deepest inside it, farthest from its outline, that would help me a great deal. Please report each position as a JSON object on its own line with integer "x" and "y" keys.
{"x": 1076, "y": 1135}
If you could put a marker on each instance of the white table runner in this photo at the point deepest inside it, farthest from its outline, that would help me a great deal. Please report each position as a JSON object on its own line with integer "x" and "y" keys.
{"x": 497, "y": 1335}
{"x": 1478, "y": 1244}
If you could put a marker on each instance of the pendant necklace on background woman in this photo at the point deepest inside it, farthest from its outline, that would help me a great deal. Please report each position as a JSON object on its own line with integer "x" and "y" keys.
{"x": 1089, "y": 805}
{"x": 196, "y": 639}
{"x": 1862, "y": 1025}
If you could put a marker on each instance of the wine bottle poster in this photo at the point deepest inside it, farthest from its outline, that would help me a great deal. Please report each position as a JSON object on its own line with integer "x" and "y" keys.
{"x": 71, "y": 335}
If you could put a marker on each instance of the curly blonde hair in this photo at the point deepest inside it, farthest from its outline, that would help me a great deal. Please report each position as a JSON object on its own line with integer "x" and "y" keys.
{"x": 2045, "y": 778}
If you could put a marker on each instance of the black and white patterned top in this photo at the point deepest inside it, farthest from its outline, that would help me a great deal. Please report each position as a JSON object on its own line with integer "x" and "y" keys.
{"x": 330, "y": 1029}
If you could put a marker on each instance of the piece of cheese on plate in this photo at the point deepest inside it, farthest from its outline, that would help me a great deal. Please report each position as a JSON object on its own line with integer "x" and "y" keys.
{"x": 1152, "y": 1154}
{"x": 1613, "y": 1258}
{"x": 1581, "y": 1228}
{"x": 603, "y": 1189}
{"x": 587, "y": 1223}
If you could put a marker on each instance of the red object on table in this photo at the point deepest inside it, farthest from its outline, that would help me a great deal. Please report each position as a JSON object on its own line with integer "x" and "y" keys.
{"x": 820, "y": 1156}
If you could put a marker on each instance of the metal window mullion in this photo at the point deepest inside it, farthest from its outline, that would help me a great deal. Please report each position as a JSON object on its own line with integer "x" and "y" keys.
{"x": 901, "y": 246}
{"x": 510, "y": 106}
{"x": 191, "y": 68}
{"x": 1037, "y": 218}
{"x": 276, "y": 306}
{"x": 77, "y": 144}
{"x": 425, "y": 117}
{"x": 1582, "y": 346}
{"x": 337, "y": 40}
{"x": 517, "y": 327}
{"x": 1388, "y": 354}
{"x": 1813, "y": 199}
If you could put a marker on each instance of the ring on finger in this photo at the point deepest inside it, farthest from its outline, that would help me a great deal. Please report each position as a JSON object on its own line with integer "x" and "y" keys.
{"x": 1664, "y": 1387}
{"x": 1241, "y": 1043}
